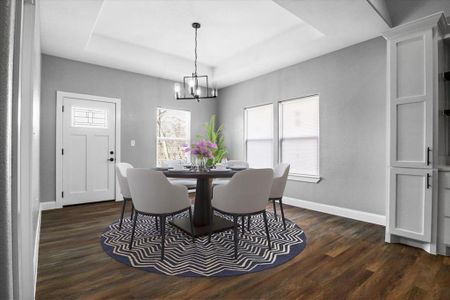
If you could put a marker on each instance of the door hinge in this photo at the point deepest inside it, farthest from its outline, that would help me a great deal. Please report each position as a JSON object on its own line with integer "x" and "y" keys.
{"x": 62, "y": 108}
{"x": 62, "y": 194}
{"x": 62, "y": 151}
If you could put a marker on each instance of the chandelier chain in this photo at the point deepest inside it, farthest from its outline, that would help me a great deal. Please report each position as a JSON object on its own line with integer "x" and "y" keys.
{"x": 195, "y": 61}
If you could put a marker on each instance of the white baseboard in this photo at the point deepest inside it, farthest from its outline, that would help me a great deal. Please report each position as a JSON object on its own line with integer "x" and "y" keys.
{"x": 338, "y": 211}
{"x": 49, "y": 205}
{"x": 37, "y": 240}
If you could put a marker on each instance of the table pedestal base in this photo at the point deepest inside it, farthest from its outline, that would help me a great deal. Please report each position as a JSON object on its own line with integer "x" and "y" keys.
{"x": 219, "y": 224}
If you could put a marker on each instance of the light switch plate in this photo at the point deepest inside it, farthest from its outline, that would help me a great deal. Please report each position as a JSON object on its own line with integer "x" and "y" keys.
{"x": 133, "y": 143}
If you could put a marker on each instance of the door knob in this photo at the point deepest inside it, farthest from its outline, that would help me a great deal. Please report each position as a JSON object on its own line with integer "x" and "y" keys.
{"x": 111, "y": 159}
{"x": 111, "y": 152}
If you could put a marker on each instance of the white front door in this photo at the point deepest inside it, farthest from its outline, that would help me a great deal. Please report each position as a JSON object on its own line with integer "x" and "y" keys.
{"x": 88, "y": 150}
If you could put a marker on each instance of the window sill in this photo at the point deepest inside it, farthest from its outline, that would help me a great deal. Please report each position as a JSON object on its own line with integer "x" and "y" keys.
{"x": 311, "y": 179}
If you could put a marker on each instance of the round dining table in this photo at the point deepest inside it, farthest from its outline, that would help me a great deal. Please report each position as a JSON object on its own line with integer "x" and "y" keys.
{"x": 202, "y": 204}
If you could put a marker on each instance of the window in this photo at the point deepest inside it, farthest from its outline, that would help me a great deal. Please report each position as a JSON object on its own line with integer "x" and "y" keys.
{"x": 299, "y": 136}
{"x": 89, "y": 117}
{"x": 173, "y": 129}
{"x": 259, "y": 136}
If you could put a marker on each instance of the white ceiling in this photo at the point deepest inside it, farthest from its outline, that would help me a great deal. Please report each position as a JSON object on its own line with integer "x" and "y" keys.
{"x": 238, "y": 40}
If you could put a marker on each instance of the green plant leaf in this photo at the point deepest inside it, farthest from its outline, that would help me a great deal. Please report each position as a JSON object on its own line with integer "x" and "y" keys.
{"x": 215, "y": 136}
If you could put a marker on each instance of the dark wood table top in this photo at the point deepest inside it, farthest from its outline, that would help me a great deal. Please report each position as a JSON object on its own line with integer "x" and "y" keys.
{"x": 199, "y": 174}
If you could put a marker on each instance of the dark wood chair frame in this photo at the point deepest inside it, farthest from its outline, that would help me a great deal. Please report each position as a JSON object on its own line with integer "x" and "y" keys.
{"x": 235, "y": 227}
{"x": 125, "y": 200}
{"x": 280, "y": 200}
{"x": 162, "y": 219}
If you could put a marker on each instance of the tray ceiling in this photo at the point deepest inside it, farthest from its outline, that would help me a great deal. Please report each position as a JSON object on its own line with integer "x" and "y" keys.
{"x": 238, "y": 40}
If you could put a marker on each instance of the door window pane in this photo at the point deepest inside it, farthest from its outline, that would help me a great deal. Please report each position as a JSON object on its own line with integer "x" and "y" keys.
{"x": 89, "y": 117}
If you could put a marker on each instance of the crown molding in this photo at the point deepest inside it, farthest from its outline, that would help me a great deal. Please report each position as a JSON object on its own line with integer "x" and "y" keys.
{"x": 437, "y": 20}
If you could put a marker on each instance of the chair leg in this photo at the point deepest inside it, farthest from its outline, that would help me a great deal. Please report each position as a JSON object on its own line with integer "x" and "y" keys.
{"x": 248, "y": 222}
{"x": 282, "y": 213}
{"x": 242, "y": 225}
{"x": 210, "y": 225}
{"x": 132, "y": 231}
{"x": 235, "y": 236}
{"x": 267, "y": 229}
{"x": 156, "y": 222}
{"x": 132, "y": 211}
{"x": 163, "y": 235}
{"x": 192, "y": 225}
{"x": 121, "y": 215}
{"x": 275, "y": 210}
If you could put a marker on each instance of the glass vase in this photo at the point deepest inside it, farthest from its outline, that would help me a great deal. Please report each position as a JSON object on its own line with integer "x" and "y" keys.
{"x": 201, "y": 164}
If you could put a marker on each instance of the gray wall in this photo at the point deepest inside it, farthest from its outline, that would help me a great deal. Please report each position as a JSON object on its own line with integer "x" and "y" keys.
{"x": 140, "y": 96}
{"x": 352, "y": 87}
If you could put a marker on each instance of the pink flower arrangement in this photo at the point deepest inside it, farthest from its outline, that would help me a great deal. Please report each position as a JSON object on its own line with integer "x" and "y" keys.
{"x": 201, "y": 149}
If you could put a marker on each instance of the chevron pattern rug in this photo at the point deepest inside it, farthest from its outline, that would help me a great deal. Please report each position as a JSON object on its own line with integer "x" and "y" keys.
{"x": 203, "y": 259}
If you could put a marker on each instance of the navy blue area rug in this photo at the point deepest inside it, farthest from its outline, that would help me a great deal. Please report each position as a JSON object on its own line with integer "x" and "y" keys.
{"x": 203, "y": 259}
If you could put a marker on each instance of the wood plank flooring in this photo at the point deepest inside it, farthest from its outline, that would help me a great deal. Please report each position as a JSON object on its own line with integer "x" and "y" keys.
{"x": 343, "y": 259}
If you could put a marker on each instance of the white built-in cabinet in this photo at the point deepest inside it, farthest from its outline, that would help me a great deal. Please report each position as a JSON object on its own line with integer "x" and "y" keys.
{"x": 411, "y": 99}
{"x": 413, "y": 75}
{"x": 411, "y": 202}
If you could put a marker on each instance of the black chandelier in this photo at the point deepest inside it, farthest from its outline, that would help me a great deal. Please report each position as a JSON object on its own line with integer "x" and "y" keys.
{"x": 192, "y": 84}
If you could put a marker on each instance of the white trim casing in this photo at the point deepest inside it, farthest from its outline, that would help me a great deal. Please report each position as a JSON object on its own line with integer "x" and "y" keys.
{"x": 49, "y": 205}
{"x": 59, "y": 137}
{"x": 36, "y": 249}
{"x": 304, "y": 178}
{"x": 337, "y": 211}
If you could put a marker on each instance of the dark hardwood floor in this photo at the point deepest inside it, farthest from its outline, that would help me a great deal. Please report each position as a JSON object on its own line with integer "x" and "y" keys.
{"x": 343, "y": 259}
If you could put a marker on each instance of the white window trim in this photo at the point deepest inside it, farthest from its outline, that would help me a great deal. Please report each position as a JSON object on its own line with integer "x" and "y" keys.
{"x": 305, "y": 178}
{"x": 296, "y": 176}
{"x": 188, "y": 140}
{"x": 245, "y": 129}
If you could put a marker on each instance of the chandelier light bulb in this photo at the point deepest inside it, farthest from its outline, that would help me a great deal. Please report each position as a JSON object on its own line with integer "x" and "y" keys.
{"x": 191, "y": 87}
{"x": 177, "y": 89}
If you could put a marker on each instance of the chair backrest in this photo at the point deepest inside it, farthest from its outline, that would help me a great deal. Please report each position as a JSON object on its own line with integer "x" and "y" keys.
{"x": 247, "y": 192}
{"x": 237, "y": 164}
{"x": 280, "y": 176}
{"x": 121, "y": 172}
{"x": 153, "y": 193}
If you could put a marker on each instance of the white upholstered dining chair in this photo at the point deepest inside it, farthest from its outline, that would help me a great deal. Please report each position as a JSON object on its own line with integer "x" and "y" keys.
{"x": 245, "y": 195}
{"x": 188, "y": 182}
{"x": 154, "y": 195}
{"x": 121, "y": 172}
{"x": 237, "y": 164}
{"x": 280, "y": 176}
{"x": 231, "y": 164}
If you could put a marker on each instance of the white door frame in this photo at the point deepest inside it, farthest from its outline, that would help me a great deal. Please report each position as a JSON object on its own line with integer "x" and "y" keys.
{"x": 59, "y": 137}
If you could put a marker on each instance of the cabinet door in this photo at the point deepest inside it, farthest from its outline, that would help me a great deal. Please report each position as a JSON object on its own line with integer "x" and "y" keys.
{"x": 411, "y": 100}
{"x": 410, "y": 202}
